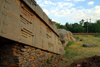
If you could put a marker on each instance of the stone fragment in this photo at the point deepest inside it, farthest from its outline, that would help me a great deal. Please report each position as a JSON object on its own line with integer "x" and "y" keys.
{"x": 89, "y": 45}
{"x": 14, "y": 65}
{"x": 81, "y": 39}
{"x": 4, "y": 63}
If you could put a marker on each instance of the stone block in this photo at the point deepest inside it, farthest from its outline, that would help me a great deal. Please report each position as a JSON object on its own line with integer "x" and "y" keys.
{"x": 16, "y": 54}
{"x": 9, "y": 28}
{"x": 14, "y": 65}
{"x": 1, "y": 21}
{"x": 50, "y": 47}
{"x": 10, "y": 3}
{"x": 26, "y": 22}
{"x": 0, "y": 4}
{"x": 20, "y": 60}
{"x": 43, "y": 31}
{"x": 27, "y": 64}
{"x": 38, "y": 41}
{"x": 26, "y": 36}
{"x": 4, "y": 63}
{"x": 89, "y": 45}
{"x": 31, "y": 3}
{"x": 36, "y": 27}
{"x": 45, "y": 44}
{"x": 55, "y": 49}
{"x": 53, "y": 38}
{"x": 21, "y": 57}
{"x": 39, "y": 11}
{"x": 45, "y": 18}
{"x": 61, "y": 49}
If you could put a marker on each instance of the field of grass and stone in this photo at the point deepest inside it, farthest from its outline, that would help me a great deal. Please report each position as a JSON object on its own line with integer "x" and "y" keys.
{"x": 76, "y": 52}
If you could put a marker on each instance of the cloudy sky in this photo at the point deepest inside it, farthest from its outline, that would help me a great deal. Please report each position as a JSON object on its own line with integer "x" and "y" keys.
{"x": 71, "y": 11}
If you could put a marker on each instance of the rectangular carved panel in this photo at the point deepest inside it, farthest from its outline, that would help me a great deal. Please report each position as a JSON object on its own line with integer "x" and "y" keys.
{"x": 27, "y": 12}
{"x": 48, "y": 37}
{"x": 26, "y": 22}
{"x": 26, "y": 34}
{"x": 50, "y": 45}
{"x": 48, "y": 30}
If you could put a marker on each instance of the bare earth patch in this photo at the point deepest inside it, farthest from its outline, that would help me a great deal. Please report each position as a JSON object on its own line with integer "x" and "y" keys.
{"x": 88, "y": 62}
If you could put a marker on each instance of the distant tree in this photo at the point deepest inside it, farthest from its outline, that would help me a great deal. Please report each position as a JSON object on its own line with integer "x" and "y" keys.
{"x": 63, "y": 27}
{"x": 59, "y": 26}
{"x": 94, "y": 28}
{"x": 75, "y": 25}
{"x": 81, "y": 22}
{"x": 68, "y": 26}
{"x": 98, "y": 22}
{"x": 79, "y": 29}
{"x": 83, "y": 27}
{"x": 86, "y": 26}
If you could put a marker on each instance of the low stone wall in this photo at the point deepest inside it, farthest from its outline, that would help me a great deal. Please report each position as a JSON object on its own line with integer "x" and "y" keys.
{"x": 19, "y": 55}
{"x": 85, "y": 33}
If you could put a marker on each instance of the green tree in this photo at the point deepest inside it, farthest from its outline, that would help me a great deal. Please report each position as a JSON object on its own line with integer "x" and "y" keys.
{"x": 98, "y": 22}
{"x": 79, "y": 29}
{"x": 81, "y": 22}
{"x": 94, "y": 28}
{"x": 59, "y": 26}
{"x": 86, "y": 26}
{"x": 69, "y": 26}
{"x": 75, "y": 25}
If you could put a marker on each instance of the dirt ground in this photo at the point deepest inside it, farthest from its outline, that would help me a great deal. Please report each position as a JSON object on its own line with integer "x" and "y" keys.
{"x": 88, "y": 62}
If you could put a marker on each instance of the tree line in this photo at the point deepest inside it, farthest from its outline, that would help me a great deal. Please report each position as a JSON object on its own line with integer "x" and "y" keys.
{"x": 81, "y": 27}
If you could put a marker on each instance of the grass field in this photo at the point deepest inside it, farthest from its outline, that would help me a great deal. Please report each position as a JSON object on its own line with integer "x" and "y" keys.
{"x": 75, "y": 51}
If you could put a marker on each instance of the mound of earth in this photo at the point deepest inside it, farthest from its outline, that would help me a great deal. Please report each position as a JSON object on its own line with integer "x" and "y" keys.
{"x": 87, "y": 62}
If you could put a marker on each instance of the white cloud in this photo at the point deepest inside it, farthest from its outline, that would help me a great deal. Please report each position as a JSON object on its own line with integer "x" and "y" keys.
{"x": 68, "y": 5}
{"x": 67, "y": 0}
{"x": 46, "y": 2}
{"x": 74, "y": 14}
{"x": 38, "y": 1}
{"x": 49, "y": 2}
{"x": 62, "y": 23}
{"x": 74, "y": 0}
{"x": 46, "y": 11}
{"x": 97, "y": 7}
{"x": 53, "y": 20}
{"x": 66, "y": 10}
{"x": 90, "y": 3}
{"x": 78, "y": 0}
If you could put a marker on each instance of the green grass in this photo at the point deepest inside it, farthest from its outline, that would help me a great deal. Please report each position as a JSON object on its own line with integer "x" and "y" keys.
{"x": 69, "y": 43}
{"x": 75, "y": 51}
{"x": 96, "y": 35}
{"x": 48, "y": 60}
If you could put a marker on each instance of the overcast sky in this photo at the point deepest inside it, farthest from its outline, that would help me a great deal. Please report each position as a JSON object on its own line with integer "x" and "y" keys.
{"x": 71, "y": 11}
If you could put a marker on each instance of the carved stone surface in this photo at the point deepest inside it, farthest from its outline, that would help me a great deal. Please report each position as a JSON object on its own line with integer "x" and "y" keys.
{"x": 8, "y": 1}
{"x": 28, "y": 24}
